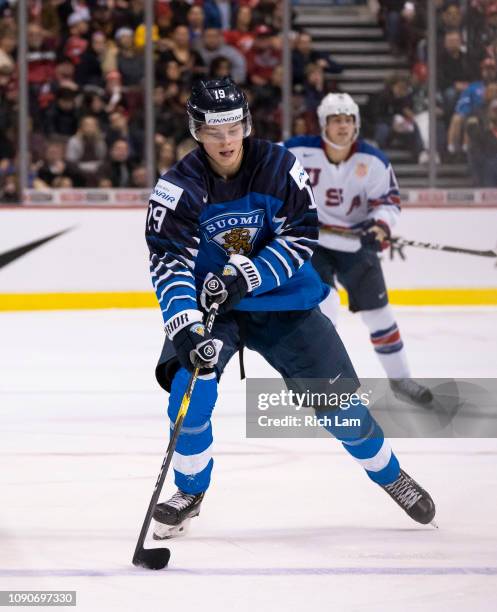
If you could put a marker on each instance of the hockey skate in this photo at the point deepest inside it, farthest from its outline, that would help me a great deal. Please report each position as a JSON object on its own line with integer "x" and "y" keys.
{"x": 407, "y": 389}
{"x": 173, "y": 517}
{"x": 412, "y": 498}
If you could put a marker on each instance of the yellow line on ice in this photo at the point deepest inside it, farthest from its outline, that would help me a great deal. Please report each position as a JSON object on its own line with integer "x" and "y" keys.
{"x": 481, "y": 296}
{"x": 77, "y": 301}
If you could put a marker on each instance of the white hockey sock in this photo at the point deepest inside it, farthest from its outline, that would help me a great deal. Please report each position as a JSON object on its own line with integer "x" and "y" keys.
{"x": 386, "y": 340}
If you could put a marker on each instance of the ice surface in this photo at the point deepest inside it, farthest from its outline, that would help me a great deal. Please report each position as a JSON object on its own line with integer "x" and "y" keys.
{"x": 287, "y": 525}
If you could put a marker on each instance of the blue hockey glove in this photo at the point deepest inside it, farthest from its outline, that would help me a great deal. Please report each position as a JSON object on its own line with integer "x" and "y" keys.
{"x": 195, "y": 346}
{"x": 375, "y": 235}
{"x": 231, "y": 285}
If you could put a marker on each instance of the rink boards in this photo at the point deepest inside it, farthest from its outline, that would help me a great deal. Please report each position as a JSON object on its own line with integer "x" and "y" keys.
{"x": 64, "y": 258}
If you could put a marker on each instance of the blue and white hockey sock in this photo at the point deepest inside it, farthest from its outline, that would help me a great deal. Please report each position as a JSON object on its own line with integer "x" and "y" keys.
{"x": 386, "y": 340}
{"x": 366, "y": 443}
{"x": 192, "y": 459}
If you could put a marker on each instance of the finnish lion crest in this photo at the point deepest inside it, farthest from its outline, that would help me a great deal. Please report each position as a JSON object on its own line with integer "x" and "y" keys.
{"x": 238, "y": 241}
{"x": 235, "y": 233}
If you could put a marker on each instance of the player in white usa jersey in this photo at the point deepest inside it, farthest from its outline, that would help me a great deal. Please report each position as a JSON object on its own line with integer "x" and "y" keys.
{"x": 356, "y": 191}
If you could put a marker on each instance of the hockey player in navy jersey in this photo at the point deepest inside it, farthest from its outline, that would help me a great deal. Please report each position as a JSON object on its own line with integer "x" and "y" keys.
{"x": 356, "y": 191}
{"x": 242, "y": 210}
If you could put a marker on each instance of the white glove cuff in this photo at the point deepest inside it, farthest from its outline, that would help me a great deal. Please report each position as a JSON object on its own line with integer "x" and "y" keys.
{"x": 180, "y": 320}
{"x": 248, "y": 270}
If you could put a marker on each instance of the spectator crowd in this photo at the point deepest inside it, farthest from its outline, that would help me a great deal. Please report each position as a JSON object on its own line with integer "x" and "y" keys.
{"x": 86, "y": 89}
{"x": 466, "y": 84}
{"x": 86, "y": 83}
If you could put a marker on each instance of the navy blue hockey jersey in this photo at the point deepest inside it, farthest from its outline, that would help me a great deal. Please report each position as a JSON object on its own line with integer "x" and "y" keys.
{"x": 197, "y": 220}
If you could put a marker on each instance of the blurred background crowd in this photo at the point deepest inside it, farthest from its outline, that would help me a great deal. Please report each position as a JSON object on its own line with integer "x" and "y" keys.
{"x": 466, "y": 84}
{"x": 86, "y": 70}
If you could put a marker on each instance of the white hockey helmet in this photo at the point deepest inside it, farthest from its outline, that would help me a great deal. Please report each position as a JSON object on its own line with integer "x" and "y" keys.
{"x": 338, "y": 104}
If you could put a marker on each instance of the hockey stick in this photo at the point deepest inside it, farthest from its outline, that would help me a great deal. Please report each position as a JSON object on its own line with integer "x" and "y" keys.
{"x": 402, "y": 242}
{"x": 158, "y": 558}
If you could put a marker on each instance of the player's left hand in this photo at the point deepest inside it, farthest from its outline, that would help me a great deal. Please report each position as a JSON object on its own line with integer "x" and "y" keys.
{"x": 375, "y": 235}
{"x": 226, "y": 288}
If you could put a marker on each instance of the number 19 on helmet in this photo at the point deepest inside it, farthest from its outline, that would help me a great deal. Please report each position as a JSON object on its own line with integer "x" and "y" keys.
{"x": 217, "y": 103}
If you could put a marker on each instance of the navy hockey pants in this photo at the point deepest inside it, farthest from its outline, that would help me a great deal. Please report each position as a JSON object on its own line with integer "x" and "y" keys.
{"x": 299, "y": 345}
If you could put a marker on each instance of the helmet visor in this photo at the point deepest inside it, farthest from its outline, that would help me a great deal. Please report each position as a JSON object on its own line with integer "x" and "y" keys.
{"x": 219, "y": 127}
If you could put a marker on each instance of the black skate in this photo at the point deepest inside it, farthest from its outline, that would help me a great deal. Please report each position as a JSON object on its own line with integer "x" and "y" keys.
{"x": 412, "y": 498}
{"x": 409, "y": 390}
{"x": 172, "y": 517}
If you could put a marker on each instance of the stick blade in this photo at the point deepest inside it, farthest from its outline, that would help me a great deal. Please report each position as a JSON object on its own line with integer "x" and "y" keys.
{"x": 152, "y": 558}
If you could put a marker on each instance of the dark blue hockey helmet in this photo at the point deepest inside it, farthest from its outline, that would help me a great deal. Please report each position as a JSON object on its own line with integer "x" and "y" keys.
{"x": 217, "y": 102}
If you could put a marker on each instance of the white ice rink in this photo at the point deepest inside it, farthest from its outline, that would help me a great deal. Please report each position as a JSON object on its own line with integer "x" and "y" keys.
{"x": 287, "y": 525}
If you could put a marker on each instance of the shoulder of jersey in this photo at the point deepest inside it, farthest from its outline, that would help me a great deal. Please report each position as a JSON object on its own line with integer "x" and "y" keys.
{"x": 309, "y": 142}
{"x": 265, "y": 150}
{"x": 273, "y": 159}
{"x": 281, "y": 170}
{"x": 190, "y": 170}
{"x": 185, "y": 177}
{"x": 365, "y": 148}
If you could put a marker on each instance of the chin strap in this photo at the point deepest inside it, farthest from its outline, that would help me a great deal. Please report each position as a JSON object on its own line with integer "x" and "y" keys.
{"x": 335, "y": 146}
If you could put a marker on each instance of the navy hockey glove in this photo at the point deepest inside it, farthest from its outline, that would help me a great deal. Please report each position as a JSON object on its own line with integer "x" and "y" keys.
{"x": 375, "y": 235}
{"x": 231, "y": 285}
{"x": 195, "y": 346}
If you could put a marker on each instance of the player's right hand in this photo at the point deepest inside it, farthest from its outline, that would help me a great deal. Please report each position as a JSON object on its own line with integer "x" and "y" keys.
{"x": 375, "y": 235}
{"x": 226, "y": 288}
{"x": 195, "y": 346}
